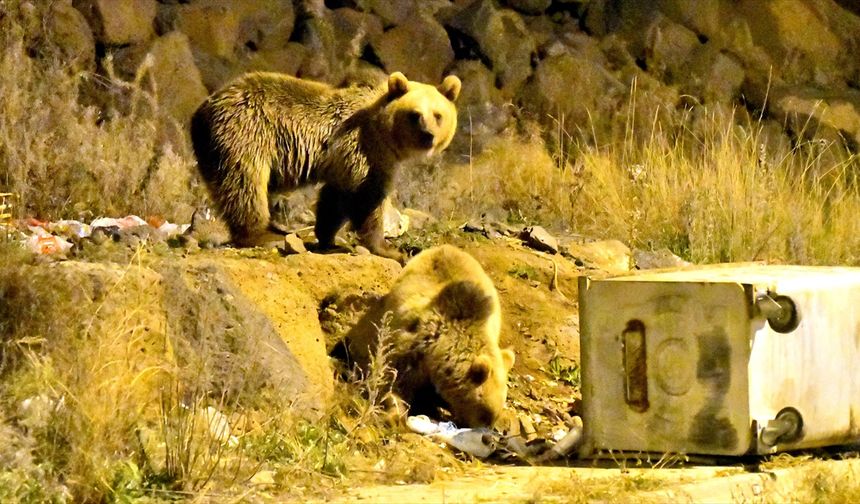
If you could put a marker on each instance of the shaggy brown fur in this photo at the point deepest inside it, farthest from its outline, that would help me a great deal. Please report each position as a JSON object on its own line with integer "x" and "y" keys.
{"x": 445, "y": 321}
{"x": 268, "y": 132}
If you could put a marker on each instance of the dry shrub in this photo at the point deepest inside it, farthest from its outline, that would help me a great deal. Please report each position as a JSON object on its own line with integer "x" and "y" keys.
{"x": 716, "y": 187}
{"x": 67, "y": 159}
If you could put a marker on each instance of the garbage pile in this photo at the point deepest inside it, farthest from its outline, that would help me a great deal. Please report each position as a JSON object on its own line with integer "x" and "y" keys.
{"x": 58, "y": 237}
{"x": 485, "y": 443}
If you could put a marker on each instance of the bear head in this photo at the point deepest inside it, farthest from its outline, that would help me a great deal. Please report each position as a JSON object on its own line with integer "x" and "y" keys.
{"x": 466, "y": 366}
{"x": 422, "y": 118}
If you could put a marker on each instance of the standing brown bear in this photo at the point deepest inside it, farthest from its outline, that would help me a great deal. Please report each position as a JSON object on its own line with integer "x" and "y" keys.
{"x": 268, "y": 132}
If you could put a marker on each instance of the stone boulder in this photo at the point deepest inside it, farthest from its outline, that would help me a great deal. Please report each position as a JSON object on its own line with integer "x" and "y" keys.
{"x": 669, "y": 48}
{"x": 354, "y": 30}
{"x": 713, "y": 75}
{"x": 287, "y": 60}
{"x": 335, "y": 41}
{"x": 825, "y": 113}
{"x": 573, "y": 89}
{"x": 502, "y": 37}
{"x": 265, "y": 25}
{"x": 211, "y": 28}
{"x": 177, "y": 80}
{"x": 392, "y": 13}
{"x": 531, "y": 7}
{"x": 419, "y": 48}
{"x": 118, "y": 22}
{"x": 479, "y": 84}
{"x": 67, "y": 28}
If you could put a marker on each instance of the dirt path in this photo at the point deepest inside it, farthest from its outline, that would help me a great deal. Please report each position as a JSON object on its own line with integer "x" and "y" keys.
{"x": 803, "y": 480}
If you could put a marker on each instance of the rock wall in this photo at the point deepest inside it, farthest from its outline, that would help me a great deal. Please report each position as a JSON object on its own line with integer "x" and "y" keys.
{"x": 793, "y": 60}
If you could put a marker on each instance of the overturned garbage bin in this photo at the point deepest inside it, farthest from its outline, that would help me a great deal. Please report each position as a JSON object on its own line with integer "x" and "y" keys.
{"x": 728, "y": 359}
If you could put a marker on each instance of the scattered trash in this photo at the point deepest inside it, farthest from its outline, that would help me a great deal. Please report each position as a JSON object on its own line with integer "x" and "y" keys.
{"x": 59, "y": 237}
{"x": 36, "y": 411}
{"x": 483, "y": 443}
{"x": 565, "y": 446}
{"x": 44, "y": 243}
{"x": 477, "y": 442}
{"x": 122, "y": 223}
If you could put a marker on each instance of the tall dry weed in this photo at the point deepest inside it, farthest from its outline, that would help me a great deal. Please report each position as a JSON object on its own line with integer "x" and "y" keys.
{"x": 67, "y": 159}
{"x": 717, "y": 186}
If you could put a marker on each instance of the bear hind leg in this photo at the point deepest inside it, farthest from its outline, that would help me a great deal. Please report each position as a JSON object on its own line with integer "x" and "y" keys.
{"x": 244, "y": 203}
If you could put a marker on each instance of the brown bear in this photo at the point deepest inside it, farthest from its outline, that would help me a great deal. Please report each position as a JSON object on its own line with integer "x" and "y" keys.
{"x": 269, "y": 132}
{"x": 444, "y": 327}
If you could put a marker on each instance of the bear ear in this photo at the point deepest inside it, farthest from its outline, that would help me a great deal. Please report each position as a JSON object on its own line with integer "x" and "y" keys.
{"x": 450, "y": 87}
{"x": 479, "y": 371}
{"x": 508, "y": 358}
{"x": 398, "y": 84}
{"x": 464, "y": 300}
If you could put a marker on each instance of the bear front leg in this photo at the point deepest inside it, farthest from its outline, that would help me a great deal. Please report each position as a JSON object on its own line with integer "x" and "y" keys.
{"x": 331, "y": 215}
{"x": 367, "y": 219}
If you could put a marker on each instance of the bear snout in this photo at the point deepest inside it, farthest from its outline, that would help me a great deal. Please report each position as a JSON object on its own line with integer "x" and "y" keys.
{"x": 426, "y": 139}
{"x": 483, "y": 417}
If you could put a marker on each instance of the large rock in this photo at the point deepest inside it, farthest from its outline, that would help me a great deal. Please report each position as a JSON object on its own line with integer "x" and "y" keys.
{"x": 798, "y": 38}
{"x": 713, "y": 75}
{"x": 354, "y": 30}
{"x": 335, "y": 40}
{"x": 212, "y": 28}
{"x": 503, "y": 37}
{"x": 573, "y": 89}
{"x": 810, "y": 111}
{"x": 265, "y": 25}
{"x": 287, "y": 60}
{"x": 533, "y": 7}
{"x": 118, "y": 22}
{"x": 479, "y": 84}
{"x": 68, "y": 29}
{"x": 392, "y": 13}
{"x": 179, "y": 87}
{"x": 670, "y": 46}
{"x": 419, "y": 48}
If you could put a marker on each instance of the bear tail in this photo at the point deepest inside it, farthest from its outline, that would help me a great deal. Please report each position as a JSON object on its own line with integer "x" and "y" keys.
{"x": 464, "y": 300}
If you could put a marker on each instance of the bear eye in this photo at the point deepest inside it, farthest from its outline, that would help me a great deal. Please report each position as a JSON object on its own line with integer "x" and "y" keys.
{"x": 437, "y": 116}
{"x": 415, "y": 117}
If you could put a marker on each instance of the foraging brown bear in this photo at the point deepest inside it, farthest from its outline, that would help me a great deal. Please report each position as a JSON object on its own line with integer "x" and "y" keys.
{"x": 268, "y": 132}
{"x": 443, "y": 337}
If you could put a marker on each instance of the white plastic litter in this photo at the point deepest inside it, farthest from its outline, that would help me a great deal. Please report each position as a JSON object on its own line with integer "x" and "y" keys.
{"x": 169, "y": 229}
{"x": 69, "y": 228}
{"x": 129, "y": 221}
{"x": 477, "y": 442}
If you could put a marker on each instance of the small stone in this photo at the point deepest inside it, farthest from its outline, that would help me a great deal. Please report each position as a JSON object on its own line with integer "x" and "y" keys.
{"x": 294, "y": 245}
{"x": 657, "y": 259}
{"x": 473, "y": 227}
{"x": 539, "y": 238}
{"x": 417, "y": 218}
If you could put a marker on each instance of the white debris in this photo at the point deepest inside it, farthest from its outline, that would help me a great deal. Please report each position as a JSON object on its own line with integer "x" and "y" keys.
{"x": 129, "y": 221}
{"x": 477, "y": 442}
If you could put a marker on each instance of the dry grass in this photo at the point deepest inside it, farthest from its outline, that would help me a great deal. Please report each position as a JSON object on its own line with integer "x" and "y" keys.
{"x": 717, "y": 188}
{"x": 66, "y": 159}
{"x": 96, "y": 404}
